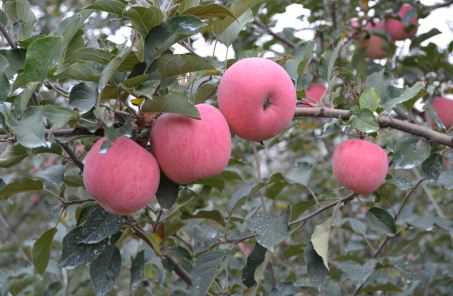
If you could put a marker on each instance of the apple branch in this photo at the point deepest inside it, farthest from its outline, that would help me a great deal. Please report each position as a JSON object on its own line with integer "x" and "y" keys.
{"x": 283, "y": 40}
{"x": 384, "y": 122}
{"x": 7, "y": 37}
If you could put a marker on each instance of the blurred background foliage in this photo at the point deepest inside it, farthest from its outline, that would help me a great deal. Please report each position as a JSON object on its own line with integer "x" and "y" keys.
{"x": 68, "y": 82}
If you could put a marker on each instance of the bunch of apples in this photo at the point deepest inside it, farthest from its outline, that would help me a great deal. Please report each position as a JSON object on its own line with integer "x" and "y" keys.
{"x": 257, "y": 101}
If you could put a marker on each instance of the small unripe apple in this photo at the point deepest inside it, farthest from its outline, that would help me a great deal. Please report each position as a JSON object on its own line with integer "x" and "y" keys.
{"x": 396, "y": 28}
{"x": 444, "y": 110}
{"x": 258, "y": 98}
{"x": 123, "y": 180}
{"x": 360, "y": 166}
{"x": 314, "y": 94}
{"x": 376, "y": 46}
{"x": 188, "y": 149}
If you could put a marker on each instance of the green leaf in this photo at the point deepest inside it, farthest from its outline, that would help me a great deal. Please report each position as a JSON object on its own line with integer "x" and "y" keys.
{"x": 357, "y": 272}
{"x": 171, "y": 103}
{"x": 207, "y": 11}
{"x": 15, "y": 60}
{"x": 21, "y": 13}
{"x": 41, "y": 250}
{"x": 144, "y": 18}
{"x": 137, "y": 269}
{"x": 333, "y": 60}
{"x": 83, "y": 97}
{"x": 446, "y": 179}
{"x": 230, "y": 33}
{"x": 84, "y": 71}
{"x": 239, "y": 195}
{"x": 111, "y": 6}
{"x": 12, "y": 155}
{"x": 173, "y": 65}
{"x": 410, "y": 152}
{"x": 380, "y": 220}
{"x": 161, "y": 37}
{"x": 52, "y": 175}
{"x": 99, "y": 225}
{"x": 75, "y": 253}
{"x": 365, "y": 121}
{"x": 57, "y": 116}
{"x": 99, "y": 56}
{"x": 71, "y": 31}
{"x": 3, "y": 18}
{"x": 23, "y": 99}
{"x": 320, "y": 241}
{"x": 370, "y": 100}
{"x": 30, "y": 131}
{"x": 4, "y": 86}
{"x": 205, "y": 270}
{"x": 105, "y": 269}
{"x": 255, "y": 259}
{"x": 167, "y": 193}
{"x": 112, "y": 68}
{"x": 40, "y": 57}
{"x": 412, "y": 93}
{"x": 419, "y": 39}
{"x": 20, "y": 186}
{"x": 213, "y": 215}
{"x": 270, "y": 230}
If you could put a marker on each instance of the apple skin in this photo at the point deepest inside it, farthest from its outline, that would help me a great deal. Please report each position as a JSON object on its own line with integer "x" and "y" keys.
{"x": 360, "y": 166}
{"x": 257, "y": 98}
{"x": 375, "y": 45}
{"x": 444, "y": 110}
{"x": 123, "y": 180}
{"x": 314, "y": 93}
{"x": 188, "y": 149}
{"x": 397, "y": 29}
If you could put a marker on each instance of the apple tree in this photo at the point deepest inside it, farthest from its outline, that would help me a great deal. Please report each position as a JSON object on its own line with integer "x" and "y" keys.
{"x": 200, "y": 147}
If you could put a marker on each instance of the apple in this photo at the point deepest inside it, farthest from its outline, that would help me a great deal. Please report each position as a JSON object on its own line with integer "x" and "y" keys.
{"x": 396, "y": 28}
{"x": 360, "y": 166}
{"x": 257, "y": 98}
{"x": 188, "y": 149}
{"x": 375, "y": 45}
{"x": 314, "y": 94}
{"x": 444, "y": 110}
{"x": 124, "y": 179}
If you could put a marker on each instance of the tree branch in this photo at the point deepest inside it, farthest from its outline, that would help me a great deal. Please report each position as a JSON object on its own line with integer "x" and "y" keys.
{"x": 7, "y": 37}
{"x": 440, "y": 5}
{"x": 266, "y": 29}
{"x": 384, "y": 122}
{"x": 71, "y": 154}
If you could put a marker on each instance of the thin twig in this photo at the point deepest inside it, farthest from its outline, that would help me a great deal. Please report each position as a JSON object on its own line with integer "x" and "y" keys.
{"x": 7, "y": 37}
{"x": 71, "y": 154}
{"x": 280, "y": 38}
{"x": 258, "y": 173}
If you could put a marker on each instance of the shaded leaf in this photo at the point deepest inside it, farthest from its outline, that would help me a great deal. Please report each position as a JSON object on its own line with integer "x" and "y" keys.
{"x": 30, "y": 131}
{"x": 99, "y": 225}
{"x": 138, "y": 268}
{"x": 230, "y": 33}
{"x": 167, "y": 193}
{"x": 207, "y": 11}
{"x": 112, "y": 67}
{"x": 380, "y": 220}
{"x": 446, "y": 179}
{"x": 315, "y": 265}
{"x": 172, "y": 103}
{"x": 161, "y": 37}
{"x": 172, "y": 65}
{"x": 365, "y": 121}
{"x": 82, "y": 97}
{"x": 105, "y": 269}
{"x": 12, "y": 155}
{"x": 20, "y": 186}
{"x": 270, "y": 230}
{"x": 213, "y": 215}
{"x": 410, "y": 152}
{"x": 204, "y": 271}
{"x": 414, "y": 92}
{"x": 255, "y": 259}
{"x": 57, "y": 116}
{"x": 112, "y": 6}
{"x": 41, "y": 250}
{"x": 419, "y": 39}
{"x": 144, "y": 18}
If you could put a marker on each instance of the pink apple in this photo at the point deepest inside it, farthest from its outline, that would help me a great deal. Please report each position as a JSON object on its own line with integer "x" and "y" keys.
{"x": 123, "y": 180}
{"x": 444, "y": 110}
{"x": 257, "y": 98}
{"x": 396, "y": 28}
{"x": 360, "y": 166}
{"x": 314, "y": 94}
{"x": 188, "y": 149}
{"x": 375, "y": 45}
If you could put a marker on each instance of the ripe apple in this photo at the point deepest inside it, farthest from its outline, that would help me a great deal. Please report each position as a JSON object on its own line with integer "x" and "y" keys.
{"x": 123, "y": 180}
{"x": 360, "y": 166}
{"x": 314, "y": 93}
{"x": 444, "y": 110}
{"x": 396, "y": 28}
{"x": 375, "y": 45}
{"x": 188, "y": 149}
{"x": 257, "y": 98}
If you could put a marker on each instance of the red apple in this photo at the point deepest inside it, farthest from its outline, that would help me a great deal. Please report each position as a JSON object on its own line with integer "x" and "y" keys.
{"x": 375, "y": 45}
{"x": 123, "y": 180}
{"x": 314, "y": 94}
{"x": 396, "y": 28}
{"x": 360, "y": 166}
{"x": 444, "y": 110}
{"x": 257, "y": 98}
{"x": 188, "y": 149}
